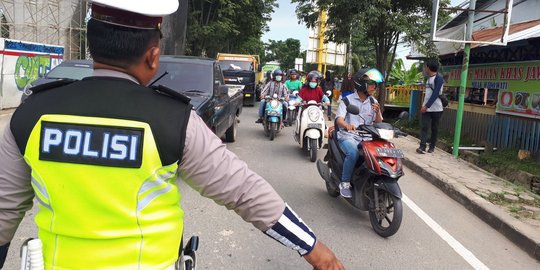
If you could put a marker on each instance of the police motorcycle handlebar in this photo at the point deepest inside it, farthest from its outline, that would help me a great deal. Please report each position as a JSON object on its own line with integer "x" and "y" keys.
{"x": 189, "y": 257}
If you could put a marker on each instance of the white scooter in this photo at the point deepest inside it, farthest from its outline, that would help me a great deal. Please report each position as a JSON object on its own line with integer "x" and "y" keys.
{"x": 310, "y": 127}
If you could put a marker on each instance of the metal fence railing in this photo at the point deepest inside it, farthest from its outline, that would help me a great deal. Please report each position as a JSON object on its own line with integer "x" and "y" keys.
{"x": 501, "y": 131}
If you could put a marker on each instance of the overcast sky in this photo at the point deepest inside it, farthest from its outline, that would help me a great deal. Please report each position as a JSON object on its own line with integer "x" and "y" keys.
{"x": 285, "y": 25}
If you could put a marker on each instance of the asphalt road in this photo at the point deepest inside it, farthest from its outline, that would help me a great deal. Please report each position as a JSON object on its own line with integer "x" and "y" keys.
{"x": 454, "y": 238}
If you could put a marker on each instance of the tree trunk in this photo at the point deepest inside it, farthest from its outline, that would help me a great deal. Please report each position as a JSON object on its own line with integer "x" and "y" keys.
{"x": 174, "y": 29}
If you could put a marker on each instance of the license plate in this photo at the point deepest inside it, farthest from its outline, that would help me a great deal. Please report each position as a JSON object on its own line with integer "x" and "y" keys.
{"x": 248, "y": 95}
{"x": 314, "y": 125}
{"x": 390, "y": 152}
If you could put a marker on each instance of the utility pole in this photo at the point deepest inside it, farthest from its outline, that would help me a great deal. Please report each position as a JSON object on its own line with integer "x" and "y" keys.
{"x": 320, "y": 49}
{"x": 464, "y": 74}
{"x": 349, "y": 66}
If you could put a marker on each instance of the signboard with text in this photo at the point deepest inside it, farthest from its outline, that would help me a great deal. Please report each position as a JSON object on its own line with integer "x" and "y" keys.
{"x": 518, "y": 84}
{"x": 21, "y": 63}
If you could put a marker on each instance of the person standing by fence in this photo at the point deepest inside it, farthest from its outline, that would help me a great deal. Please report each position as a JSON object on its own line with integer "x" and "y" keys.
{"x": 347, "y": 86}
{"x": 432, "y": 107}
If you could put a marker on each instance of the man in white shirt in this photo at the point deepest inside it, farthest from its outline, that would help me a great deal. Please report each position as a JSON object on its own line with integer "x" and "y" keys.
{"x": 432, "y": 108}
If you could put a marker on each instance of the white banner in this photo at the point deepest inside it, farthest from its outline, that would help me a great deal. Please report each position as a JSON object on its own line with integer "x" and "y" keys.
{"x": 333, "y": 54}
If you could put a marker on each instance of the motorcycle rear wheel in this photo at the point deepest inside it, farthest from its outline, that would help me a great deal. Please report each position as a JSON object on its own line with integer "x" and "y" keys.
{"x": 383, "y": 224}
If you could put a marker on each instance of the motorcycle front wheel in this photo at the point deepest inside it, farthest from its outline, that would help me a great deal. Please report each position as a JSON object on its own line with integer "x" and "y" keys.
{"x": 386, "y": 218}
{"x": 332, "y": 192}
{"x": 273, "y": 130}
{"x": 313, "y": 149}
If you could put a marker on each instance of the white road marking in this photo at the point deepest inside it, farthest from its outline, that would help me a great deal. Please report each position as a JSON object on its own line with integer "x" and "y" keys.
{"x": 449, "y": 239}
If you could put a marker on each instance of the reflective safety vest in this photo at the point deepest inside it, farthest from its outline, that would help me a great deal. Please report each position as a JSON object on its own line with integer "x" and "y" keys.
{"x": 105, "y": 184}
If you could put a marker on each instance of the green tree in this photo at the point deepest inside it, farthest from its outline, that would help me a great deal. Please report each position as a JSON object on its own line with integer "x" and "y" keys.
{"x": 227, "y": 26}
{"x": 403, "y": 76}
{"x": 283, "y": 52}
{"x": 380, "y": 23}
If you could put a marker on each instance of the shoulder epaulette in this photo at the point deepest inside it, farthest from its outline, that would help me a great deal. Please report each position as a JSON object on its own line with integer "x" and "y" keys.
{"x": 51, "y": 85}
{"x": 164, "y": 90}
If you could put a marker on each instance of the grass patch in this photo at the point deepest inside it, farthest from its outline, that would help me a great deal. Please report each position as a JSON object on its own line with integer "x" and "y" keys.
{"x": 497, "y": 198}
{"x": 507, "y": 158}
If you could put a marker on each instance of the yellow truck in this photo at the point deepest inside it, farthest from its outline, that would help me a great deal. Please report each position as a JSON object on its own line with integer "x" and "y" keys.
{"x": 245, "y": 71}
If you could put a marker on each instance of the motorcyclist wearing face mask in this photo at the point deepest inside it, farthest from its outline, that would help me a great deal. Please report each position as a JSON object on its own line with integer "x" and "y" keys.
{"x": 312, "y": 91}
{"x": 293, "y": 83}
{"x": 276, "y": 86}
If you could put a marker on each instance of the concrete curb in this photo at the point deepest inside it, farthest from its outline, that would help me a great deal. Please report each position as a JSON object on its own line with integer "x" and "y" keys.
{"x": 524, "y": 236}
{"x": 527, "y": 238}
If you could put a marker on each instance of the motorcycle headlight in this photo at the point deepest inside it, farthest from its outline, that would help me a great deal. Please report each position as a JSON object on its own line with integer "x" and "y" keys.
{"x": 314, "y": 114}
{"x": 274, "y": 104}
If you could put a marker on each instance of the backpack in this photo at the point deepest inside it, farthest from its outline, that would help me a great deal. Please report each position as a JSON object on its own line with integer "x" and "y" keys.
{"x": 444, "y": 100}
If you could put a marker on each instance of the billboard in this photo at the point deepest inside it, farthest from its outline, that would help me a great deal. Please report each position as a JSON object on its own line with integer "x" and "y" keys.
{"x": 333, "y": 54}
{"x": 518, "y": 84}
{"x": 22, "y": 63}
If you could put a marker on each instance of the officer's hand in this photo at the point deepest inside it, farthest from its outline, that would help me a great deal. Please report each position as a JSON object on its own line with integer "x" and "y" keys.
{"x": 322, "y": 258}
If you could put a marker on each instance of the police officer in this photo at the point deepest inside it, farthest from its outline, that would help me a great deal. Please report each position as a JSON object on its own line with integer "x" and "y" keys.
{"x": 101, "y": 157}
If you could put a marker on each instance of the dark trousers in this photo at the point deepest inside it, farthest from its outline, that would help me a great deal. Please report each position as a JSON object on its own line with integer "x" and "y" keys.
{"x": 430, "y": 119}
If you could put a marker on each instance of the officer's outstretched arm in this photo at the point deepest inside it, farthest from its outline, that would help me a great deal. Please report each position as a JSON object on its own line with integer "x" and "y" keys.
{"x": 217, "y": 173}
{"x": 16, "y": 192}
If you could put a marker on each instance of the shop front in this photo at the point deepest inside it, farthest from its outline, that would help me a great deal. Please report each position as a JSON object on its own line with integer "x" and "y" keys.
{"x": 508, "y": 88}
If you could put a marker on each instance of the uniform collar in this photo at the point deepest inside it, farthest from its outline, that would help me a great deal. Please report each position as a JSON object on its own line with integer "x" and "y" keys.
{"x": 113, "y": 73}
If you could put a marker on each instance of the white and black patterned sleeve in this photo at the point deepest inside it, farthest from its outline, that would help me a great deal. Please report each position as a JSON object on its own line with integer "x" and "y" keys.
{"x": 291, "y": 231}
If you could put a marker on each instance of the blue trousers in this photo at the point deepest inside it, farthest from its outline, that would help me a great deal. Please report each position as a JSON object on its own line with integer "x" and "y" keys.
{"x": 350, "y": 148}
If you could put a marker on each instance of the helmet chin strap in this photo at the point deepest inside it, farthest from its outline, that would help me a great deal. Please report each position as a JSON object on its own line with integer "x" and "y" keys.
{"x": 363, "y": 89}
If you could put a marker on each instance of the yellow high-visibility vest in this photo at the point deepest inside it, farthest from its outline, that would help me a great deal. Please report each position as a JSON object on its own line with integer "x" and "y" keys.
{"x": 106, "y": 201}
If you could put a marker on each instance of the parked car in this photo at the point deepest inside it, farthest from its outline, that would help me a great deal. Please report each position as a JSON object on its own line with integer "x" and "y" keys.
{"x": 200, "y": 79}
{"x": 70, "y": 69}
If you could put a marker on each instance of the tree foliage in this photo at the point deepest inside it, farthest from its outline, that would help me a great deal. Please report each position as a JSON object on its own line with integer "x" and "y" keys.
{"x": 283, "y": 52}
{"x": 380, "y": 23}
{"x": 234, "y": 26}
{"x": 401, "y": 75}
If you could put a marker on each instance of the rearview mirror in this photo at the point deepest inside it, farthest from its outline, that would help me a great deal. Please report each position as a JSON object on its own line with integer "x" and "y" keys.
{"x": 259, "y": 68}
{"x": 223, "y": 90}
{"x": 353, "y": 109}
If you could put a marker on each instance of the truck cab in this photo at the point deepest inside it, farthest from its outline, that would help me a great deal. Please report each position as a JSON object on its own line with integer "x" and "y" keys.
{"x": 244, "y": 71}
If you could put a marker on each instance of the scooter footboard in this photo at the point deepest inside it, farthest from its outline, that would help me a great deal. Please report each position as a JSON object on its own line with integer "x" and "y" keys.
{"x": 390, "y": 185}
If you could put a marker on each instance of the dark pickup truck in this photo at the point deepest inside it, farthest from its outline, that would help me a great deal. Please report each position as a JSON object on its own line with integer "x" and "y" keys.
{"x": 201, "y": 80}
